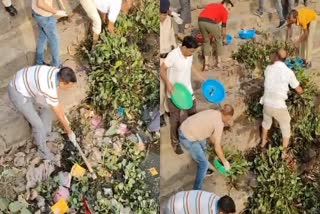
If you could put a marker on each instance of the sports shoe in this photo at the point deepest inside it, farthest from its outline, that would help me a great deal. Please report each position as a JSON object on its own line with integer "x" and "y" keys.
{"x": 209, "y": 172}
{"x": 11, "y": 10}
{"x": 258, "y": 13}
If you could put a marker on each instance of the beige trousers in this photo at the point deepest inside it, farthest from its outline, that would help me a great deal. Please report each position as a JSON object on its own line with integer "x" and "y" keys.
{"x": 163, "y": 98}
{"x": 280, "y": 115}
{"x": 92, "y": 12}
{"x": 6, "y": 3}
{"x": 305, "y": 50}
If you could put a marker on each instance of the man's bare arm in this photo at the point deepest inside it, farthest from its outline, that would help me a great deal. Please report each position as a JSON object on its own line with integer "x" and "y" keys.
{"x": 59, "y": 111}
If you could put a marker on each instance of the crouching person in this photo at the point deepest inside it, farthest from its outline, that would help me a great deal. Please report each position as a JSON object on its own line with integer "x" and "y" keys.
{"x": 34, "y": 84}
{"x": 199, "y": 202}
{"x": 193, "y": 134}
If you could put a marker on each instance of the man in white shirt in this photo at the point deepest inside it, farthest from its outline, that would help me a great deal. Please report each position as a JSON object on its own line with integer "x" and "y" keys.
{"x": 199, "y": 202}
{"x": 278, "y": 77}
{"x": 167, "y": 43}
{"x": 177, "y": 67}
{"x": 33, "y": 85}
{"x": 112, "y": 8}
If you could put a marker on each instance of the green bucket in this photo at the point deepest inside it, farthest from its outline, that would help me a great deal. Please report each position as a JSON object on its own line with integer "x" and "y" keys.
{"x": 181, "y": 97}
{"x": 219, "y": 166}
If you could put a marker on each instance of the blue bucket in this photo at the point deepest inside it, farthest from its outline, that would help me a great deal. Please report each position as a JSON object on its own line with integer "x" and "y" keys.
{"x": 247, "y": 34}
{"x": 213, "y": 91}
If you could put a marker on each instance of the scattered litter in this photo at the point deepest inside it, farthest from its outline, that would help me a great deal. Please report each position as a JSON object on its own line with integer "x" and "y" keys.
{"x": 117, "y": 146}
{"x": 99, "y": 133}
{"x": 61, "y": 207}
{"x": 122, "y": 130}
{"x": 113, "y": 128}
{"x": 121, "y": 111}
{"x": 96, "y": 122}
{"x": 77, "y": 171}
{"x": 19, "y": 161}
{"x": 153, "y": 171}
{"x": 140, "y": 144}
{"x": 154, "y": 125}
{"x": 65, "y": 179}
{"x": 61, "y": 193}
{"x": 108, "y": 192}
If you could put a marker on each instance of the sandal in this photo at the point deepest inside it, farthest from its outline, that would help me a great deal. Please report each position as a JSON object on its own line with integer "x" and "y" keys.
{"x": 206, "y": 68}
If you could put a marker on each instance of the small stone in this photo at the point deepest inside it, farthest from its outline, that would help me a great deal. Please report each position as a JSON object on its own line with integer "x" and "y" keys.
{"x": 33, "y": 195}
{"x": 20, "y": 154}
{"x": 35, "y": 161}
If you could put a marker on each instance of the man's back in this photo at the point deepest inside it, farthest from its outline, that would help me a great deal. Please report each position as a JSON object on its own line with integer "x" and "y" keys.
{"x": 195, "y": 202}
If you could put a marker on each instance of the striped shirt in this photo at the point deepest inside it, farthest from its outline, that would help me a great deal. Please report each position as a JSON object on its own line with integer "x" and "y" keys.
{"x": 38, "y": 81}
{"x": 193, "y": 202}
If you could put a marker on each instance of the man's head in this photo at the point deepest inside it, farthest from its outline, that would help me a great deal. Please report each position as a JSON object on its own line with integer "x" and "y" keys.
{"x": 226, "y": 205}
{"x": 126, "y": 6}
{"x": 292, "y": 17}
{"x": 67, "y": 78}
{"x": 189, "y": 45}
{"x": 279, "y": 55}
{"x": 228, "y": 4}
{"x": 164, "y": 8}
{"x": 227, "y": 114}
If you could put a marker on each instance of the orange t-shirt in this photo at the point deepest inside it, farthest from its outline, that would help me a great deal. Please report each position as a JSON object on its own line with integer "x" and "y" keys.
{"x": 305, "y": 16}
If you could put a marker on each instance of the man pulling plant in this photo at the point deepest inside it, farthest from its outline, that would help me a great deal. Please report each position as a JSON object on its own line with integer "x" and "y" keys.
{"x": 199, "y": 202}
{"x": 209, "y": 23}
{"x": 167, "y": 43}
{"x": 277, "y": 79}
{"x": 111, "y": 8}
{"x": 177, "y": 68}
{"x": 306, "y": 18}
{"x": 33, "y": 85}
{"x": 193, "y": 134}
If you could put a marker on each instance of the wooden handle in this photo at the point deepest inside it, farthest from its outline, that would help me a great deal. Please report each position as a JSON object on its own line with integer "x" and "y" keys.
{"x": 85, "y": 160}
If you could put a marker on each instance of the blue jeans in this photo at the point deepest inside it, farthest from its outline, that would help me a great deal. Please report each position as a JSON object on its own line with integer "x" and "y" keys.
{"x": 197, "y": 149}
{"x": 47, "y": 31}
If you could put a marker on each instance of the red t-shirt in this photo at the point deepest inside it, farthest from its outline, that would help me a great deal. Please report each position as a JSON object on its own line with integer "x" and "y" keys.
{"x": 215, "y": 12}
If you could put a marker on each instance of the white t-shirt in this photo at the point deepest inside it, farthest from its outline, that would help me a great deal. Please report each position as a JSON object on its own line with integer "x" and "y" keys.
{"x": 111, "y": 7}
{"x": 179, "y": 68}
{"x": 278, "y": 77}
{"x": 193, "y": 202}
{"x": 38, "y": 81}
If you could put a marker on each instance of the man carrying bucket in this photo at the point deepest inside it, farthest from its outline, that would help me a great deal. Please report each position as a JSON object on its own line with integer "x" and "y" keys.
{"x": 177, "y": 68}
{"x": 193, "y": 134}
{"x": 199, "y": 202}
{"x": 209, "y": 20}
{"x": 306, "y": 18}
{"x": 277, "y": 78}
{"x": 167, "y": 43}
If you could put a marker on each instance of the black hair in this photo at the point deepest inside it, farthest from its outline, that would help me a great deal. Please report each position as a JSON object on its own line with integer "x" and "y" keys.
{"x": 67, "y": 75}
{"x": 227, "y": 2}
{"x": 164, "y": 6}
{"x": 190, "y": 42}
{"x": 226, "y": 205}
{"x": 293, "y": 13}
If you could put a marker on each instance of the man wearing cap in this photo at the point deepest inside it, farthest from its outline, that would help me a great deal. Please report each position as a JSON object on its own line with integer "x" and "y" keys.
{"x": 306, "y": 18}
{"x": 193, "y": 135}
{"x": 177, "y": 68}
{"x": 209, "y": 21}
{"x": 38, "y": 86}
{"x": 167, "y": 43}
{"x": 277, "y": 78}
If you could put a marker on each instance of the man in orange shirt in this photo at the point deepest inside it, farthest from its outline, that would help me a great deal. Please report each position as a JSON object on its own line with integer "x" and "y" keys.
{"x": 306, "y": 18}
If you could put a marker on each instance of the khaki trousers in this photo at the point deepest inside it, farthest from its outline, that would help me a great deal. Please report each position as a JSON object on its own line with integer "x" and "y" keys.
{"x": 305, "y": 50}
{"x": 6, "y": 3}
{"x": 280, "y": 115}
{"x": 92, "y": 12}
{"x": 163, "y": 97}
{"x": 207, "y": 29}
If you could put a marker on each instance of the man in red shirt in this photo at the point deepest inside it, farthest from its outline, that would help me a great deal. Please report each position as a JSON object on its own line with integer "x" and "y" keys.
{"x": 209, "y": 23}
